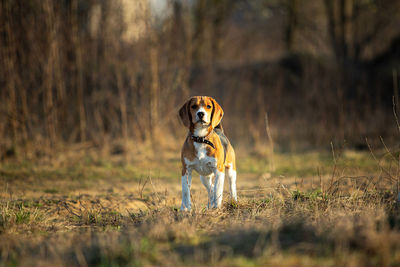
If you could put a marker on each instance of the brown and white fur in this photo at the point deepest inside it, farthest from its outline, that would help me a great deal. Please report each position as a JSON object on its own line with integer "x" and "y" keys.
{"x": 201, "y": 114}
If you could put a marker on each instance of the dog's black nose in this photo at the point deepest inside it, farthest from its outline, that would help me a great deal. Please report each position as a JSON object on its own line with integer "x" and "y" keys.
{"x": 200, "y": 114}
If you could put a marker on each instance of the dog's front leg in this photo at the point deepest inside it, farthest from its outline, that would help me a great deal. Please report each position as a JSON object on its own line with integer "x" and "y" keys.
{"x": 207, "y": 182}
{"x": 218, "y": 189}
{"x": 186, "y": 183}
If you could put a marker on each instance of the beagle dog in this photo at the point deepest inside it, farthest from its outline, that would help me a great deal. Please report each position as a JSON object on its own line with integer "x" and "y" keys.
{"x": 206, "y": 150}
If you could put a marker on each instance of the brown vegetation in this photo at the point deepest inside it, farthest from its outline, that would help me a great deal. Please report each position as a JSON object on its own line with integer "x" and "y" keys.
{"x": 94, "y": 212}
{"x": 98, "y": 71}
{"x": 90, "y": 138}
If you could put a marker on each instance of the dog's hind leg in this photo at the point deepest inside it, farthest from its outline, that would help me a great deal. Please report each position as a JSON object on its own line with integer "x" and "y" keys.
{"x": 231, "y": 173}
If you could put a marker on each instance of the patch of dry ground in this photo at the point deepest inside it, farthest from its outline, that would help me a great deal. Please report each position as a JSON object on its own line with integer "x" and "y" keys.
{"x": 309, "y": 212}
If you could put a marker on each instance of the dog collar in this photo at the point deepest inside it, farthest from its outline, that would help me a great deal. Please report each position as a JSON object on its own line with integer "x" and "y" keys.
{"x": 202, "y": 139}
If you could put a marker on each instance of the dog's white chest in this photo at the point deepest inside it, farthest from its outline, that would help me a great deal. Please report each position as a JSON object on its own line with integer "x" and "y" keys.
{"x": 203, "y": 164}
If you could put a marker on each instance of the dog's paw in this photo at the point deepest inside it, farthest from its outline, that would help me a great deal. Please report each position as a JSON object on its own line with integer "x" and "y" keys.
{"x": 184, "y": 208}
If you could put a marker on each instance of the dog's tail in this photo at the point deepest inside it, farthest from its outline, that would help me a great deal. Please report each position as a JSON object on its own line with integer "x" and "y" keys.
{"x": 224, "y": 140}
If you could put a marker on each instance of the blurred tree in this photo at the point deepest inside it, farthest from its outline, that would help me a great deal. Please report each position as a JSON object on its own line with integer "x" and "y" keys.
{"x": 356, "y": 25}
{"x": 100, "y": 70}
{"x": 292, "y": 23}
{"x": 210, "y": 17}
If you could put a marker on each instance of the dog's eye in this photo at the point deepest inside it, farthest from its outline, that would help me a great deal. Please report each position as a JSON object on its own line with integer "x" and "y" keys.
{"x": 194, "y": 106}
{"x": 208, "y": 106}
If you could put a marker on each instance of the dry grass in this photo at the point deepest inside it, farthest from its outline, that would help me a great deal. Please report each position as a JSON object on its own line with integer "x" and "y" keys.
{"x": 311, "y": 211}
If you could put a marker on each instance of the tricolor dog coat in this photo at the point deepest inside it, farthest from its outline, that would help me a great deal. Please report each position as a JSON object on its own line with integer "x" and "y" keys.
{"x": 206, "y": 150}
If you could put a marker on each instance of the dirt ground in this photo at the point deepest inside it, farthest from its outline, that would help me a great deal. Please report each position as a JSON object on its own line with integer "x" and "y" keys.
{"x": 312, "y": 210}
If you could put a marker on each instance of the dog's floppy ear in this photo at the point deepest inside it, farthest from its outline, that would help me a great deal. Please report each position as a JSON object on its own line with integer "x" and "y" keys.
{"x": 217, "y": 113}
{"x": 185, "y": 115}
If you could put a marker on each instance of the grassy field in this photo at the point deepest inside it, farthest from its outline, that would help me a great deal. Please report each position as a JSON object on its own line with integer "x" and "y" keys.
{"x": 315, "y": 209}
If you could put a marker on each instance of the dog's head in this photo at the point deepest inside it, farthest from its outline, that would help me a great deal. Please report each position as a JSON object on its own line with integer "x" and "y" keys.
{"x": 201, "y": 110}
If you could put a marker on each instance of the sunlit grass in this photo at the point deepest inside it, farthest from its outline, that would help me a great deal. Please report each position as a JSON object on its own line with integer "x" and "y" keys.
{"x": 345, "y": 220}
{"x": 314, "y": 163}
